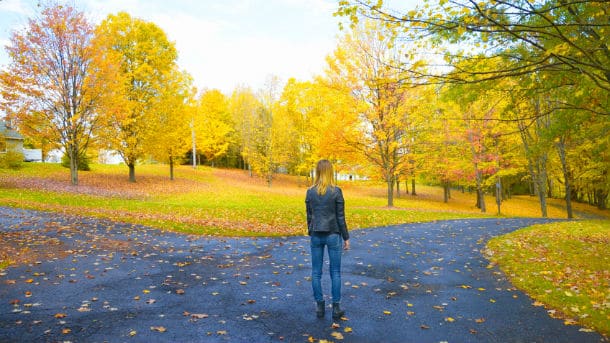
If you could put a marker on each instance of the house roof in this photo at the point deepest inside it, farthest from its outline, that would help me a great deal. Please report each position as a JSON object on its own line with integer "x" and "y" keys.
{"x": 8, "y": 133}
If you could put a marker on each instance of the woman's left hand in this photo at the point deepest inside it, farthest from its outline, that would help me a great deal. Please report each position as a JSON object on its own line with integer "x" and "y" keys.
{"x": 346, "y": 245}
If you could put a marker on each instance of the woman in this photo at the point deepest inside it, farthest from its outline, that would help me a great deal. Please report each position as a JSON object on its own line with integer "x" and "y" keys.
{"x": 327, "y": 228}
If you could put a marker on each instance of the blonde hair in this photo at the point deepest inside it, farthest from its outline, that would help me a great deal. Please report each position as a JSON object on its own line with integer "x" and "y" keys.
{"x": 324, "y": 176}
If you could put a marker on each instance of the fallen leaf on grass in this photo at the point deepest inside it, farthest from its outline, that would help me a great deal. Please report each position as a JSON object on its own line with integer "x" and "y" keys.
{"x": 449, "y": 319}
{"x": 60, "y": 315}
{"x": 347, "y": 329}
{"x": 387, "y": 313}
{"x": 132, "y": 333}
{"x": 158, "y": 328}
{"x": 570, "y": 322}
{"x": 479, "y": 320}
{"x": 66, "y": 331}
{"x": 425, "y": 327}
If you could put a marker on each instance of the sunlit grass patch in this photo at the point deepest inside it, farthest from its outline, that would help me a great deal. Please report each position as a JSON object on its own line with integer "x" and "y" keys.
{"x": 563, "y": 265}
{"x": 228, "y": 202}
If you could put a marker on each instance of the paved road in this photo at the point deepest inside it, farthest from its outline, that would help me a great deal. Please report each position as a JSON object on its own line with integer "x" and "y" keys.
{"x": 113, "y": 282}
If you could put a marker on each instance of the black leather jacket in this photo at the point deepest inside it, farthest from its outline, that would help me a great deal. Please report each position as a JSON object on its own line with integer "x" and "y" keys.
{"x": 326, "y": 213}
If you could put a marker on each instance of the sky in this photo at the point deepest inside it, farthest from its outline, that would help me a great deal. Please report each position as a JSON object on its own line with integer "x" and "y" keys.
{"x": 221, "y": 43}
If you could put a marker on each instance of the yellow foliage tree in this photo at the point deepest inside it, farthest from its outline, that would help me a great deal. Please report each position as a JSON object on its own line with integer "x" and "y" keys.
{"x": 213, "y": 125}
{"x": 385, "y": 102}
{"x": 170, "y": 131}
{"x": 146, "y": 56}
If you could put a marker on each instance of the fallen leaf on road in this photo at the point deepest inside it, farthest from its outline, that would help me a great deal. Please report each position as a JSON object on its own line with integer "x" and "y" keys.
{"x": 337, "y": 335}
{"x": 199, "y": 315}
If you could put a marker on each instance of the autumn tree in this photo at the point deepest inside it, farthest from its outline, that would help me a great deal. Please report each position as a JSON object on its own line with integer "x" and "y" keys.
{"x": 562, "y": 45}
{"x": 535, "y": 37}
{"x": 213, "y": 125}
{"x": 56, "y": 82}
{"x": 170, "y": 131}
{"x": 323, "y": 120}
{"x": 146, "y": 56}
{"x": 264, "y": 150}
{"x": 243, "y": 107}
{"x": 363, "y": 61}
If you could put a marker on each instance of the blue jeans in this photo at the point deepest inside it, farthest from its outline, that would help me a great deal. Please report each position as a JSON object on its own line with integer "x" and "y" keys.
{"x": 333, "y": 243}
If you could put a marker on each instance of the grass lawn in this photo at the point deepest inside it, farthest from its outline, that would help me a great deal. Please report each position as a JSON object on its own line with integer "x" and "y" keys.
{"x": 230, "y": 202}
{"x": 563, "y": 266}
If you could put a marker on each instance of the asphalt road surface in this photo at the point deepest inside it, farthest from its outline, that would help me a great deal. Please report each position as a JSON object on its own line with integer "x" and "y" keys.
{"x": 100, "y": 281}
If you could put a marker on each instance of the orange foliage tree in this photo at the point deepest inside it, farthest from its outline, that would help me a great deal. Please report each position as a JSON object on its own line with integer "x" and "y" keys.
{"x": 56, "y": 81}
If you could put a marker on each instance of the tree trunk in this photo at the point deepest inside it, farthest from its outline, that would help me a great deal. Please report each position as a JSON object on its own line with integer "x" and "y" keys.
{"x": 407, "y": 187}
{"x": 445, "y": 191}
{"x": 561, "y": 149}
{"x": 73, "y": 155}
{"x": 601, "y": 196}
{"x": 413, "y": 187}
{"x": 398, "y": 188}
{"x": 541, "y": 184}
{"x": 480, "y": 195}
{"x": 171, "y": 168}
{"x": 499, "y": 194}
{"x": 390, "y": 192}
{"x": 132, "y": 172}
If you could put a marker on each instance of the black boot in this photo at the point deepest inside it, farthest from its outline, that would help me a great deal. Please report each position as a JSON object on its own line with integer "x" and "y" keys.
{"x": 337, "y": 311}
{"x": 320, "y": 308}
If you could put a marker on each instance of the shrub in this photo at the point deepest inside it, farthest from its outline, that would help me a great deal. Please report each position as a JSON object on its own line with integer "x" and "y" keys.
{"x": 11, "y": 159}
{"x": 83, "y": 162}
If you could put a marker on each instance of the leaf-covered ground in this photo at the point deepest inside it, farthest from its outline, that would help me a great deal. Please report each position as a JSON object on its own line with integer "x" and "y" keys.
{"x": 230, "y": 202}
{"x": 108, "y": 281}
{"x": 564, "y": 266}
